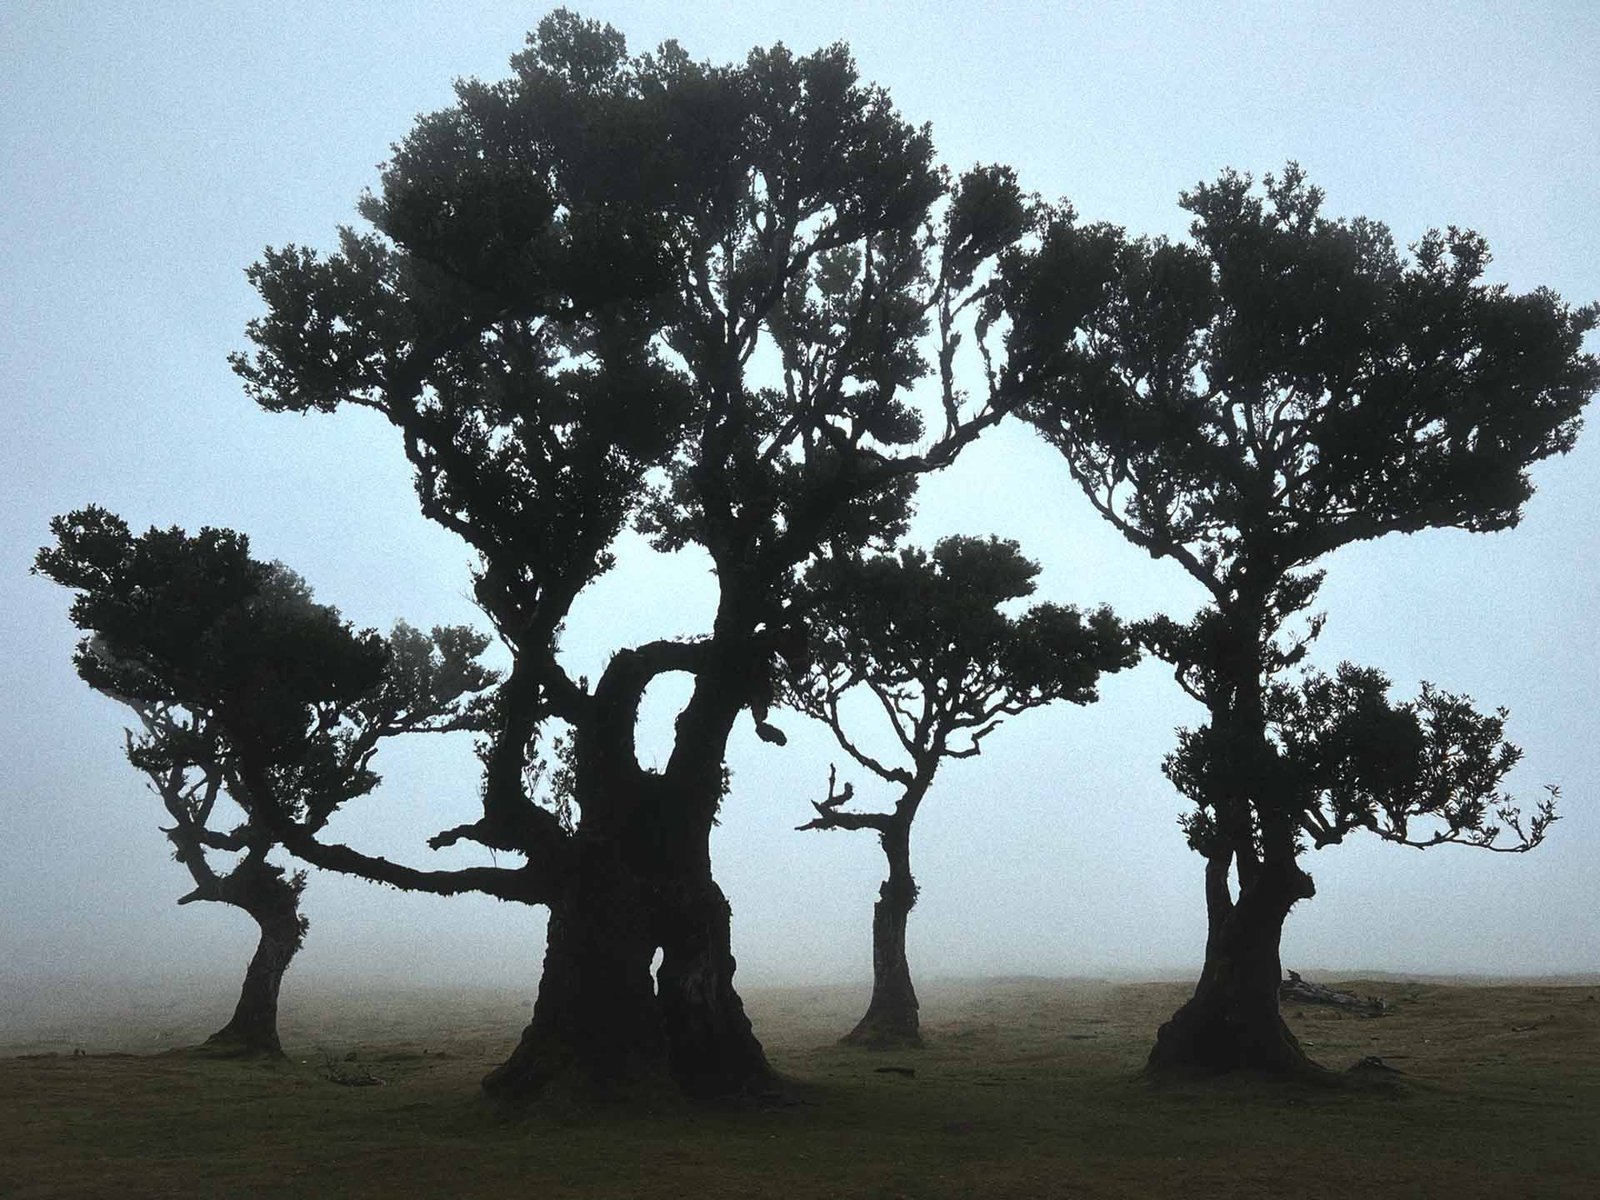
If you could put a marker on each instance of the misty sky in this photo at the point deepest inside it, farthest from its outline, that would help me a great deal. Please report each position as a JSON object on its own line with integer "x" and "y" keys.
{"x": 147, "y": 159}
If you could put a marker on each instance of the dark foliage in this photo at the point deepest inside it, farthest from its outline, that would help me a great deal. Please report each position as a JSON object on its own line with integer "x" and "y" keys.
{"x": 928, "y": 637}
{"x": 573, "y": 287}
{"x": 248, "y": 689}
{"x": 1244, "y": 403}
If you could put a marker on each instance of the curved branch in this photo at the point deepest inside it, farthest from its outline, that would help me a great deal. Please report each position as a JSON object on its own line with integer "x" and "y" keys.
{"x": 525, "y": 884}
{"x": 622, "y": 685}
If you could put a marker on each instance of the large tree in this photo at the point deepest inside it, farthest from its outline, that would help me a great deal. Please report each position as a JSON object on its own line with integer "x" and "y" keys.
{"x": 926, "y": 635}
{"x": 249, "y": 692}
{"x": 1244, "y": 403}
{"x": 612, "y": 291}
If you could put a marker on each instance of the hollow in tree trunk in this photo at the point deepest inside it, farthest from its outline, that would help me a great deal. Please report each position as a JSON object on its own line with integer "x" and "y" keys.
{"x": 640, "y": 879}
{"x": 261, "y": 889}
{"x": 1232, "y": 1022}
{"x": 891, "y": 1018}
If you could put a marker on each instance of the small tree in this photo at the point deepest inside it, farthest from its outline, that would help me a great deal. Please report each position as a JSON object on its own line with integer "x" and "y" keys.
{"x": 1244, "y": 404}
{"x": 648, "y": 291}
{"x": 248, "y": 689}
{"x": 926, "y": 635}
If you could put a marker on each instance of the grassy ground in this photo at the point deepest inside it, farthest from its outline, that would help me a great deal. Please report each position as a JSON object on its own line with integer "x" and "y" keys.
{"x": 1026, "y": 1089}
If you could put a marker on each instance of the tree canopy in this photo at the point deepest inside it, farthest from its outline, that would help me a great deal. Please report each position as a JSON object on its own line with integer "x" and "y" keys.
{"x": 926, "y": 634}
{"x": 1290, "y": 378}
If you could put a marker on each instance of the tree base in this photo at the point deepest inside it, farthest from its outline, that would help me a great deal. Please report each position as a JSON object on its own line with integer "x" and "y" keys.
{"x": 876, "y": 1032}
{"x": 562, "y": 1085}
{"x": 544, "y": 1078}
{"x": 228, "y": 1042}
{"x": 1215, "y": 1035}
{"x": 713, "y": 1053}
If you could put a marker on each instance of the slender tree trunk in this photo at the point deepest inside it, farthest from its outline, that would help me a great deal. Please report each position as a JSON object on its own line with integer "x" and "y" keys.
{"x": 274, "y": 903}
{"x": 891, "y": 1018}
{"x": 1232, "y": 1021}
{"x": 596, "y": 1030}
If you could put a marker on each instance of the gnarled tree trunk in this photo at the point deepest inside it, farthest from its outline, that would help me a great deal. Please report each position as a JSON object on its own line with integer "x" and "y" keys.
{"x": 891, "y": 1017}
{"x": 1232, "y": 1021}
{"x": 713, "y": 1050}
{"x": 595, "y": 1031}
{"x": 638, "y": 880}
{"x": 273, "y": 901}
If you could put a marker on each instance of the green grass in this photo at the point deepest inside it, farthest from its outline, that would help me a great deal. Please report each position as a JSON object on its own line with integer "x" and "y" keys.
{"x": 1026, "y": 1089}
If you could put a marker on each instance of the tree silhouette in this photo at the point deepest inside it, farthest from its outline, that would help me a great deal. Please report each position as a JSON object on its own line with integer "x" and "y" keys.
{"x": 646, "y": 291}
{"x": 926, "y": 636}
{"x": 249, "y": 690}
{"x": 1283, "y": 385}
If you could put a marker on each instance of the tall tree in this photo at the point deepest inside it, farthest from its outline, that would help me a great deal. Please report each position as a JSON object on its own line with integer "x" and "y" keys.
{"x": 247, "y": 690}
{"x": 927, "y": 637}
{"x": 614, "y": 290}
{"x": 1245, "y": 403}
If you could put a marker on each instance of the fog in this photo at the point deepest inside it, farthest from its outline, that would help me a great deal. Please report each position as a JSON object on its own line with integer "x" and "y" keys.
{"x": 148, "y": 159}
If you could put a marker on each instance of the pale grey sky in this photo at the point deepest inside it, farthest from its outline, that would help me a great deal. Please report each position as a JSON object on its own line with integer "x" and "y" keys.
{"x": 148, "y": 157}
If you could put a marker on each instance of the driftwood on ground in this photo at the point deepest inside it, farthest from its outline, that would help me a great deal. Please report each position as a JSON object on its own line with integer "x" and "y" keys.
{"x": 1303, "y": 991}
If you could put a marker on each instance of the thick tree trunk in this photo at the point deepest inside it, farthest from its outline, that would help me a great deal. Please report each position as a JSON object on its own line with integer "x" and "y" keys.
{"x": 1232, "y": 1021}
{"x": 713, "y": 1050}
{"x": 639, "y": 879}
{"x": 274, "y": 903}
{"x": 891, "y": 1018}
{"x": 596, "y": 1029}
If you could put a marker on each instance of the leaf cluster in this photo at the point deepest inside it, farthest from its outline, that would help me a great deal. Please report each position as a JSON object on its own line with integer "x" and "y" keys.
{"x": 1346, "y": 757}
{"x": 242, "y": 681}
{"x": 928, "y": 636}
{"x": 1285, "y": 383}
